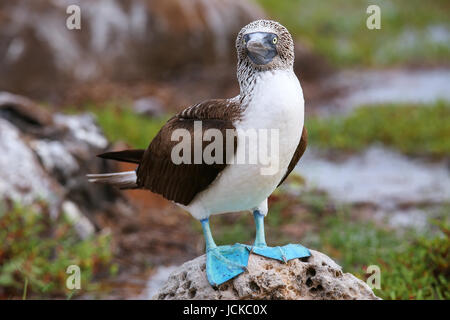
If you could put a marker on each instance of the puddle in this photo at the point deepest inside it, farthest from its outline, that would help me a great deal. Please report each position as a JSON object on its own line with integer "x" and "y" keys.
{"x": 378, "y": 175}
{"x": 415, "y": 218}
{"x": 387, "y": 86}
{"x": 395, "y": 184}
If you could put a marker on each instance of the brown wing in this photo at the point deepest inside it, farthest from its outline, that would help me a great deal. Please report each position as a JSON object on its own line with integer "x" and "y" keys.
{"x": 297, "y": 155}
{"x": 182, "y": 182}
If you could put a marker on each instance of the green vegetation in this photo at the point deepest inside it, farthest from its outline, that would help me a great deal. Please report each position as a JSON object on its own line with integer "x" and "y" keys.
{"x": 413, "y": 130}
{"x": 35, "y": 251}
{"x": 125, "y": 125}
{"x": 420, "y": 272}
{"x": 412, "y": 266}
{"x": 338, "y": 30}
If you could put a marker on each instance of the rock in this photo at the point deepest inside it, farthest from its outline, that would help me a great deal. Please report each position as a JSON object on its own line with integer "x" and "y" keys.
{"x": 157, "y": 280}
{"x": 314, "y": 278}
{"x": 21, "y": 176}
{"x": 55, "y": 157}
{"x": 125, "y": 46}
{"x": 46, "y": 156}
{"x": 148, "y": 39}
{"x": 82, "y": 225}
{"x": 20, "y": 107}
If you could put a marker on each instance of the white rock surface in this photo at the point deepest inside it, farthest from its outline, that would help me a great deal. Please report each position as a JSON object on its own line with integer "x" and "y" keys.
{"x": 46, "y": 156}
{"x": 314, "y": 278}
{"x": 82, "y": 225}
{"x": 55, "y": 156}
{"x": 21, "y": 176}
{"x": 83, "y": 128}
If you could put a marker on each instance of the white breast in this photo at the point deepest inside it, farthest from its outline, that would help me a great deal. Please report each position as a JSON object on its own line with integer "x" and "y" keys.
{"x": 276, "y": 104}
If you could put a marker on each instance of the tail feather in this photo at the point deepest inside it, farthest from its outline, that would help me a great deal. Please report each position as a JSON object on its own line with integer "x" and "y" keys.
{"x": 123, "y": 180}
{"x": 133, "y": 155}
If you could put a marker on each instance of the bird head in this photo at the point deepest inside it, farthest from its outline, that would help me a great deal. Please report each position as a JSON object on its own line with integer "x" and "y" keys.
{"x": 265, "y": 45}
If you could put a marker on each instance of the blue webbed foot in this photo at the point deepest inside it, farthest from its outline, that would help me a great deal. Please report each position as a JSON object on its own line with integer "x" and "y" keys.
{"x": 284, "y": 253}
{"x": 225, "y": 262}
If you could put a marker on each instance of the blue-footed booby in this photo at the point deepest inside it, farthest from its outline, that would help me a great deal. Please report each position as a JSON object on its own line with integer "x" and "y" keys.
{"x": 270, "y": 98}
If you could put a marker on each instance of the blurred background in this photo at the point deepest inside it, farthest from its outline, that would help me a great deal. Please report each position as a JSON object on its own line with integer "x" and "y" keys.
{"x": 372, "y": 189}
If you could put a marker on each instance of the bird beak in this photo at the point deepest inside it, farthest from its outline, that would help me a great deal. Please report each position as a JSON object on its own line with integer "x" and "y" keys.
{"x": 260, "y": 47}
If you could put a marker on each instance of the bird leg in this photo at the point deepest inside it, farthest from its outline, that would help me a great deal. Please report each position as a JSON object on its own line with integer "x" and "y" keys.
{"x": 223, "y": 262}
{"x": 260, "y": 238}
{"x": 284, "y": 253}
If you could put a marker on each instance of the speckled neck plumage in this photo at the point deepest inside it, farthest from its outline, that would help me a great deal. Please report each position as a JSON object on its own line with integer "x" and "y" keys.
{"x": 247, "y": 72}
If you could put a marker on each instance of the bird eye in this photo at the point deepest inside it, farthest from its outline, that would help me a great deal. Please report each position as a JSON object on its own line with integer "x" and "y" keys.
{"x": 275, "y": 40}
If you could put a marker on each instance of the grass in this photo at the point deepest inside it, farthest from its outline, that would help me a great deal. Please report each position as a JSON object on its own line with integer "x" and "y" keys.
{"x": 412, "y": 266}
{"x": 337, "y": 30}
{"x": 122, "y": 124}
{"x": 35, "y": 251}
{"x": 411, "y": 129}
